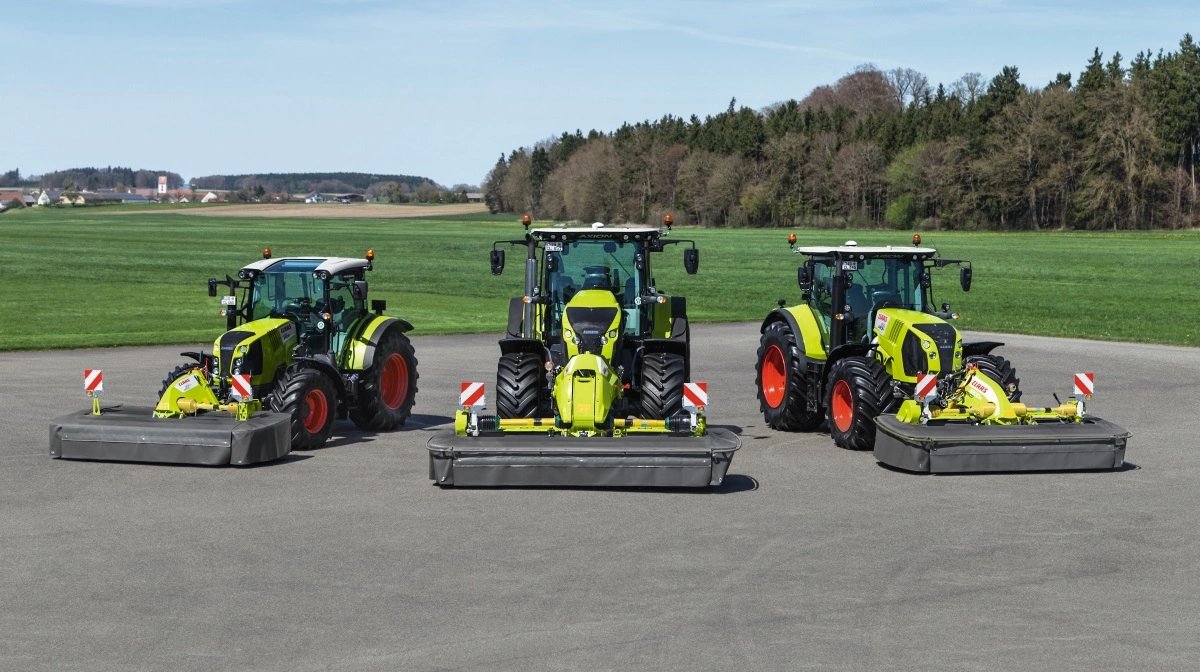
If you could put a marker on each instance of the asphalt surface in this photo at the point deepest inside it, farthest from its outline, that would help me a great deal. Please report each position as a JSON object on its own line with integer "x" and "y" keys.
{"x": 808, "y": 557}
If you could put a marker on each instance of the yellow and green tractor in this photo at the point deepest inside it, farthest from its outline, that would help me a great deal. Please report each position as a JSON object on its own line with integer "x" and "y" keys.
{"x": 867, "y": 352}
{"x": 303, "y": 334}
{"x": 301, "y": 349}
{"x": 593, "y": 384}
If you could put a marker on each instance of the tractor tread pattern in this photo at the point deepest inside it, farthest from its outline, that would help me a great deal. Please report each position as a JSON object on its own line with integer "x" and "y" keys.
{"x": 792, "y": 415}
{"x": 1000, "y": 370}
{"x": 175, "y": 374}
{"x": 369, "y": 412}
{"x": 663, "y": 376}
{"x": 519, "y": 386}
{"x": 288, "y": 396}
{"x": 871, "y": 389}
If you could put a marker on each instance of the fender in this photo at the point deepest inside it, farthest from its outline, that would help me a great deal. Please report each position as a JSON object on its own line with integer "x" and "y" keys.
{"x": 979, "y": 348}
{"x": 360, "y": 353}
{"x": 509, "y": 346}
{"x": 804, "y": 327}
{"x": 330, "y": 372}
{"x": 673, "y": 346}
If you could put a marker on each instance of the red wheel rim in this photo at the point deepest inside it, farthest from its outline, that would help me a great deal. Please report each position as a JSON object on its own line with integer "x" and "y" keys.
{"x": 842, "y": 406}
{"x": 774, "y": 377}
{"x": 318, "y": 411}
{"x": 393, "y": 382}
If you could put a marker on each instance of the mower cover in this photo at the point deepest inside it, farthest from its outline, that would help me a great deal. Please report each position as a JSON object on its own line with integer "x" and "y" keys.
{"x": 133, "y": 434}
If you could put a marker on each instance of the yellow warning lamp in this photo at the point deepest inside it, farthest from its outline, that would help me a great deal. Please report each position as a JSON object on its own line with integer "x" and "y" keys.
{"x": 668, "y": 221}
{"x": 791, "y": 240}
{"x": 916, "y": 239}
{"x": 266, "y": 253}
{"x": 527, "y": 220}
{"x": 371, "y": 255}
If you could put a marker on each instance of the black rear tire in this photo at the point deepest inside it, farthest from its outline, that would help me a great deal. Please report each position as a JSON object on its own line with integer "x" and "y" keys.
{"x": 388, "y": 388}
{"x": 519, "y": 383}
{"x": 309, "y": 396}
{"x": 780, "y": 352}
{"x": 175, "y": 374}
{"x": 662, "y": 379}
{"x": 1000, "y": 370}
{"x": 859, "y": 391}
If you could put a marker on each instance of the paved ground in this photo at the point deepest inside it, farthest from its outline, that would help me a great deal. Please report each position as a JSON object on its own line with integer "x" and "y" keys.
{"x": 809, "y": 557}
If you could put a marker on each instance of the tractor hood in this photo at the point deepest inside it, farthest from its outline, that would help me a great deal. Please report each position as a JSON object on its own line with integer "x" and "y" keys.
{"x": 257, "y": 348}
{"x": 913, "y": 342}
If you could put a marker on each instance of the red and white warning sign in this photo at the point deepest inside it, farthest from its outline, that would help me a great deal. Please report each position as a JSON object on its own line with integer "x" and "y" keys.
{"x": 1085, "y": 384}
{"x": 695, "y": 396}
{"x": 472, "y": 396}
{"x": 93, "y": 381}
{"x": 241, "y": 387}
{"x": 926, "y": 385}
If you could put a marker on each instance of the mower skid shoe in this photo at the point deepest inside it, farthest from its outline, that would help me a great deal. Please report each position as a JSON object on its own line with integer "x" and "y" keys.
{"x": 964, "y": 448}
{"x": 133, "y": 434}
{"x": 521, "y": 460}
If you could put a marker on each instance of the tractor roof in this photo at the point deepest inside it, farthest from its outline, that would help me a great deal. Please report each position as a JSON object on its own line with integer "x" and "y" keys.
{"x": 596, "y": 231}
{"x": 333, "y": 265}
{"x": 855, "y": 250}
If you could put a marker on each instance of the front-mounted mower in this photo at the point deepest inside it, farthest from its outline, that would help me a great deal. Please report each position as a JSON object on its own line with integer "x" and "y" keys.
{"x": 593, "y": 373}
{"x": 300, "y": 343}
{"x": 867, "y": 352}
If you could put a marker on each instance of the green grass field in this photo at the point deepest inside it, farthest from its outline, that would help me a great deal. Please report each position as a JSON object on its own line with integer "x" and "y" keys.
{"x": 79, "y": 279}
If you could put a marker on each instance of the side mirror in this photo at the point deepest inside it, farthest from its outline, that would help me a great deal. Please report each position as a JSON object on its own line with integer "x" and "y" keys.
{"x": 926, "y": 282}
{"x": 497, "y": 259}
{"x": 804, "y": 277}
{"x": 212, "y": 286}
{"x": 691, "y": 260}
{"x": 359, "y": 290}
{"x": 964, "y": 277}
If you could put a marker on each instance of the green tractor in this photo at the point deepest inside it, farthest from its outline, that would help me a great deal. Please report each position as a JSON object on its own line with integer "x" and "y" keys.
{"x": 302, "y": 333}
{"x": 593, "y": 382}
{"x": 869, "y": 354}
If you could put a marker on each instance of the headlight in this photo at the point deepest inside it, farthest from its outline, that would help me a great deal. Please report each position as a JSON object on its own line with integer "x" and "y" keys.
{"x": 603, "y": 340}
{"x": 237, "y": 365}
{"x": 321, "y": 325}
{"x": 567, "y": 334}
{"x": 612, "y": 334}
{"x": 925, "y": 344}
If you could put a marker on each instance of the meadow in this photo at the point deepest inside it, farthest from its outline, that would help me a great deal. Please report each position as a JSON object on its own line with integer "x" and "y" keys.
{"x": 84, "y": 277}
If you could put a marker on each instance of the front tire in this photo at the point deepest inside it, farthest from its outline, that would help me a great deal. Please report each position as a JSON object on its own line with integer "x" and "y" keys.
{"x": 309, "y": 397}
{"x": 1000, "y": 370}
{"x": 781, "y": 382}
{"x": 388, "y": 389}
{"x": 859, "y": 391}
{"x": 519, "y": 386}
{"x": 663, "y": 376}
{"x": 175, "y": 375}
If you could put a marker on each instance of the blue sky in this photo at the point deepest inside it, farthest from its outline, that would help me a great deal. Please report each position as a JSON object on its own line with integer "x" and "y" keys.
{"x": 441, "y": 89}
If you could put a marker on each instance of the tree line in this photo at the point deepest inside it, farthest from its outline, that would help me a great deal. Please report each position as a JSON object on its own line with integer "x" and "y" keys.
{"x": 1114, "y": 148}
{"x": 305, "y": 182}
{"x": 110, "y": 177}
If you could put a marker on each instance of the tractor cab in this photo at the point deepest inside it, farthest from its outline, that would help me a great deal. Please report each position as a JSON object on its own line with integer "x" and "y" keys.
{"x": 322, "y": 297}
{"x": 846, "y": 287}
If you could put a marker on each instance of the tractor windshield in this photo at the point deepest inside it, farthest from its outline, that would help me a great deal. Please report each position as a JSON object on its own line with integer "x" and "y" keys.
{"x": 592, "y": 264}
{"x": 286, "y": 287}
{"x": 885, "y": 282}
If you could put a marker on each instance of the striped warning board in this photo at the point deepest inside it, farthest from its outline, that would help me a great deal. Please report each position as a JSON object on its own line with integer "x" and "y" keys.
{"x": 926, "y": 385}
{"x": 1085, "y": 384}
{"x": 695, "y": 396}
{"x": 93, "y": 381}
{"x": 241, "y": 387}
{"x": 472, "y": 396}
